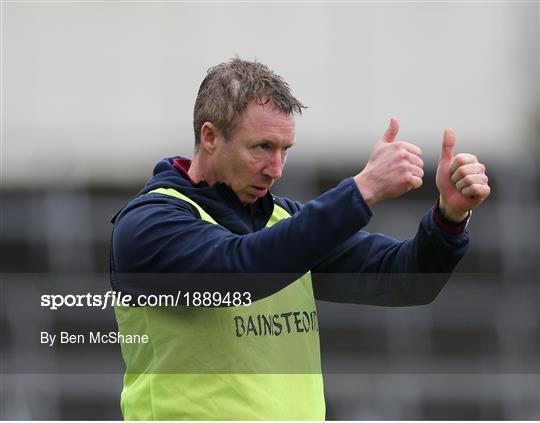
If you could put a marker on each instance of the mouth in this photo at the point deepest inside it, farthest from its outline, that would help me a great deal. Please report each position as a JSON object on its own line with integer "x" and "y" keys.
{"x": 260, "y": 191}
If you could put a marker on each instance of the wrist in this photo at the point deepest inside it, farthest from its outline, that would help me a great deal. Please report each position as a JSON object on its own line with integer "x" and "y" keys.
{"x": 450, "y": 214}
{"x": 363, "y": 187}
{"x": 447, "y": 225}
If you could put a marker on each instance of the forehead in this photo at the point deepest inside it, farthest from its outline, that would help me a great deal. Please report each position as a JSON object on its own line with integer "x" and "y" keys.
{"x": 265, "y": 121}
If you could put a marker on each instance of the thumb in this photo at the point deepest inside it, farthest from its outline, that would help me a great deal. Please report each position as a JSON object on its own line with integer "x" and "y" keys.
{"x": 448, "y": 144}
{"x": 391, "y": 131}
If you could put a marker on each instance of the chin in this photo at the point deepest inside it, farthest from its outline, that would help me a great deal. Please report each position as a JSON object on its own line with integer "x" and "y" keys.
{"x": 248, "y": 199}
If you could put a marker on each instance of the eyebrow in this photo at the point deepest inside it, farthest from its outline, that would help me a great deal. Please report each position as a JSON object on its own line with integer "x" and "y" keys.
{"x": 273, "y": 143}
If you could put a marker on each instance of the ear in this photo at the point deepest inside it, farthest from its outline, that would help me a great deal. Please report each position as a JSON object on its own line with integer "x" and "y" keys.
{"x": 210, "y": 136}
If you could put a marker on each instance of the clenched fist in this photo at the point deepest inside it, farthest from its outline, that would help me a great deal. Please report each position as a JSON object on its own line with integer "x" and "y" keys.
{"x": 461, "y": 180}
{"x": 394, "y": 168}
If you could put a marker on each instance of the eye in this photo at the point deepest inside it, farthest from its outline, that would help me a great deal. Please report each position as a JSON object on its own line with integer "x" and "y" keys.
{"x": 264, "y": 146}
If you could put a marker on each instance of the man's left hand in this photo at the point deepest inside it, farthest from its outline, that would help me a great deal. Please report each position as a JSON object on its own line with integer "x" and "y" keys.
{"x": 461, "y": 180}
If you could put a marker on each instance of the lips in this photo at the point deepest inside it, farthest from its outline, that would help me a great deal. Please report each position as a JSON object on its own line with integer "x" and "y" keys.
{"x": 260, "y": 191}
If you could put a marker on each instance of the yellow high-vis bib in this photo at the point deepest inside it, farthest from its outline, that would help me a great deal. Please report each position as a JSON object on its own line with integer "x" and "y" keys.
{"x": 256, "y": 362}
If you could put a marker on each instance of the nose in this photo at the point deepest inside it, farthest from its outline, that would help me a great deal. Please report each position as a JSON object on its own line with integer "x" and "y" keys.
{"x": 274, "y": 166}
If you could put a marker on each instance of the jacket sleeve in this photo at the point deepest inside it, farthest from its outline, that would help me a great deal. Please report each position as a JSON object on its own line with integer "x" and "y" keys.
{"x": 166, "y": 235}
{"x": 378, "y": 270}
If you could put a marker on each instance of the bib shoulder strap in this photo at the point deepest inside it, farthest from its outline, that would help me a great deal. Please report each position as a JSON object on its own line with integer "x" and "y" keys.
{"x": 173, "y": 193}
{"x": 278, "y": 214}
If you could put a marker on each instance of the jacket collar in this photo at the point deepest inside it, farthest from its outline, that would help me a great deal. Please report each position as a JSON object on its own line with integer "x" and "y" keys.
{"x": 220, "y": 201}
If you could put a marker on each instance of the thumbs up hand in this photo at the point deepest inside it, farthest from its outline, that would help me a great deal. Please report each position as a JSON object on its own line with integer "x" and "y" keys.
{"x": 394, "y": 168}
{"x": 461, "y": 180}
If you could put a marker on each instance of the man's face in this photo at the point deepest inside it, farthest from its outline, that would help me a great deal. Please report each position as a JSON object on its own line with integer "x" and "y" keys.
{"x": 253, "y": 158}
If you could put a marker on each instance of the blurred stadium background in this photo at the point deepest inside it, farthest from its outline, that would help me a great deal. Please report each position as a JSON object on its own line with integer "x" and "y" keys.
{"x": 94, "y": 93}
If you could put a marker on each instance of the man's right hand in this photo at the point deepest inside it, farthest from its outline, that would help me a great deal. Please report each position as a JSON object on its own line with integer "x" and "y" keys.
{"x": 394, "y": 168}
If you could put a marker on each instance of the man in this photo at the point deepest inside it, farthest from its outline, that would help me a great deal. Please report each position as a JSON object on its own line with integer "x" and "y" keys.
{"x": 257, "y": 357}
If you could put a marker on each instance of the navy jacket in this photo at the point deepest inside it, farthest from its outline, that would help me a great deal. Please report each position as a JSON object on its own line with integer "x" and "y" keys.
{"x": 156, "y": 238}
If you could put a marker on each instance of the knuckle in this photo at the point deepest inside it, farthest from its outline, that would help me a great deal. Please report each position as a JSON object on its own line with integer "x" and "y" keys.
{"x": 407, "y": 181}
{"x": 412, "y": 182}
{"x": 460, "y": 172}
{"x": 458, "y": 160}
{"x": 468, "y": 179}
{"x": 403, "y": 166}
{"x": 476, "y": 190}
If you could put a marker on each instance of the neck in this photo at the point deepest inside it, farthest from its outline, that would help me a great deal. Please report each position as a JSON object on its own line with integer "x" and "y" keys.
{"x": 200, "y": 170}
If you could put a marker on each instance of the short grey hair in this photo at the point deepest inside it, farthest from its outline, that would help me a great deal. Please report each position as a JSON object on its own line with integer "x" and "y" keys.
{"x": 229, "y": 87}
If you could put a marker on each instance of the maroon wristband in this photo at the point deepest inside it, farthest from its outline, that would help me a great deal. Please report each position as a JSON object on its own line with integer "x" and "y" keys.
{"x": 449, "y": 226}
